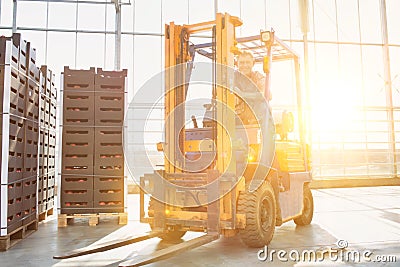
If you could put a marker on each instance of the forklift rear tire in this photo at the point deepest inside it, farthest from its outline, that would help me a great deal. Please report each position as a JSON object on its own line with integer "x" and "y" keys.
{"x": 172, "y": 235}
{"x": 308, "y": 208}
{"x": 260, "y": 210}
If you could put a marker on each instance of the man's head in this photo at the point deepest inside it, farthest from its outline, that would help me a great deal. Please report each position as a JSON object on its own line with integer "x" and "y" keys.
{"x": 246, "y": 63}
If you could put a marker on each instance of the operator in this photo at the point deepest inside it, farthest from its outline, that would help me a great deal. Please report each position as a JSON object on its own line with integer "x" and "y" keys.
{"x": 245, "y": 66}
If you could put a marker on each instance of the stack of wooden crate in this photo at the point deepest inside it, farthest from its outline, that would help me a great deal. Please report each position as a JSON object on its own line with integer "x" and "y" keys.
{"x": 19, "y": 122}
{"x": 92, "y": 180}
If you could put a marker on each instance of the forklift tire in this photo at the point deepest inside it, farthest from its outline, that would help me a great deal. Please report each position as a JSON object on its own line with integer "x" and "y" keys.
{"x": 260, "y": 210}
{"x": 308, "y": 208}
{"x": 172, "y": 235}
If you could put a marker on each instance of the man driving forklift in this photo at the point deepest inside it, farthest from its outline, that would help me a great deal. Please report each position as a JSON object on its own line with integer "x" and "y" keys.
{"x": 243, "y": 79}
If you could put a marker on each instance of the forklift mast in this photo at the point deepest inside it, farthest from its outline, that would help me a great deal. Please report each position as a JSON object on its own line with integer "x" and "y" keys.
{"x": 177, "y": 56}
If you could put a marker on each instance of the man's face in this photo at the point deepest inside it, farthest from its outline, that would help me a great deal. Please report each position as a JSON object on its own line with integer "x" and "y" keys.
{"x": 245, "y": 64}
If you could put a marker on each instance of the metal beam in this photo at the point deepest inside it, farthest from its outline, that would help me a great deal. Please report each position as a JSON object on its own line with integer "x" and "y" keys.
{"x": 305, "y": 28}
{"x": 193, "y": 35}
{"x": 388, "y": 88}
{"x": 117, "y": 59}
{"x": 14, "y": 21}
{"x": 215, "y": 8}
{"x": 117, "y": 4}
{"x": 75, "y": 1}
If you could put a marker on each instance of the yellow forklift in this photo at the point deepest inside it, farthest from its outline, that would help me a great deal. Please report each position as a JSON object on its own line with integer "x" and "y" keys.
{"x": 239, "y": 172}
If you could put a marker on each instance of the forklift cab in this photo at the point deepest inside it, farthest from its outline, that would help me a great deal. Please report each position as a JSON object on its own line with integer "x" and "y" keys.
{"x": 285, "y": 104}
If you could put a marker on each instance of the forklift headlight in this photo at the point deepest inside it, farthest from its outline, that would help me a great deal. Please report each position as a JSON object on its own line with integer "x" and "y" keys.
{"x": 251, "y": 158}
{"x": 252, "y": 155}
{"x": 160, "y": 146}
{"x": 266, "y": 36}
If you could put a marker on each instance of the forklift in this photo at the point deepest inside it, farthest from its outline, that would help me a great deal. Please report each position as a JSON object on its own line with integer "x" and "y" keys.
{"x": 239, "y": 172}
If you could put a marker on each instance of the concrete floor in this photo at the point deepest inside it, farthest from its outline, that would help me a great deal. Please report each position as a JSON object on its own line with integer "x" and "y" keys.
{"x": 367, "y": 218}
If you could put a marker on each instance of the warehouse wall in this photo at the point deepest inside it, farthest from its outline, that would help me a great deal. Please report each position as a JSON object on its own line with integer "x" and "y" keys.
{"x": 351, "y": 82}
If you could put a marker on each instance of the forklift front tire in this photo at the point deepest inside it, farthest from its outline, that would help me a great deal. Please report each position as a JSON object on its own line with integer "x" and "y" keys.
{"x": 172, "y": 235}
{"x": 260, "y": 209}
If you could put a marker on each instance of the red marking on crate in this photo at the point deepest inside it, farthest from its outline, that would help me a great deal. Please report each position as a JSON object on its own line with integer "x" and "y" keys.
{"x": 76, "y": 167}
{"x": 77, "y": 85}
{"x": 75, "y": 180}
{"x": 76, "y": 156}
{"x": 103, "y": 156}
{"x": 111, "y": 144}
{"x": 77, "y": 132}
{"x": 110, "y": 109}
{"x": 118, "y": 167}
{"x": 79, "y": 192}
{"x": 110, "y": 132}
{"x": 76, "y": 204}
{"x": 110, "y": 191}
{"x": 110, "y": 98}
{"x": 77, "y": 144}
{"x": 77, "y": 97}
{"x": 77, "y": 109}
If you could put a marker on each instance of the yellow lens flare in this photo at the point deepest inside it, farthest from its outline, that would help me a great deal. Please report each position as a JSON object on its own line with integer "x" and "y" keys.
{"x": 252, "y": 155}
{"x": 251, "y": 158}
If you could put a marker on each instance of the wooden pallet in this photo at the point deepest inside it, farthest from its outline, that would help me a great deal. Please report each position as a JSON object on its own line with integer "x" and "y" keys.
{"x": 17, "y": 235}
{"x": 43, "y": 216}
{"x": 93, "y": 218}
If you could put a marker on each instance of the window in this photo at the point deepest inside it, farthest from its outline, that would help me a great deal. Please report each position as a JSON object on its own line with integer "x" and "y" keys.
{"x": 374, "y": 83}
{"x": 370, "y": 21}
{"x": 33, "y": 14}
{"x": 392, "y": 11}
{"x": 90, "y": 50}
{"x": 62, "y": 16}
{"x": 395, "y": 68}
{"x": 147, "y": 60}
{"x": 6, "y": 15}
{"x": 87, "y": 20}
{"x": 325, "y": 20}
{"x": 176, "y": 11}
{"x": 278, "y": 17}
{"x": 348, "y": 20}
{"x": 38, "y": 41}
{"x": 253, "y": 17}
{"x": 232, "y": 7}
{"x": 127, "y": 15}
{"x": 60, "y": 51}
{"x": 148, "y": 16}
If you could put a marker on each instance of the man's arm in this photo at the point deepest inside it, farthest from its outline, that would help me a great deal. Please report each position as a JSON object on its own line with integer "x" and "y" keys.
{"x": 260, "y": 82}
